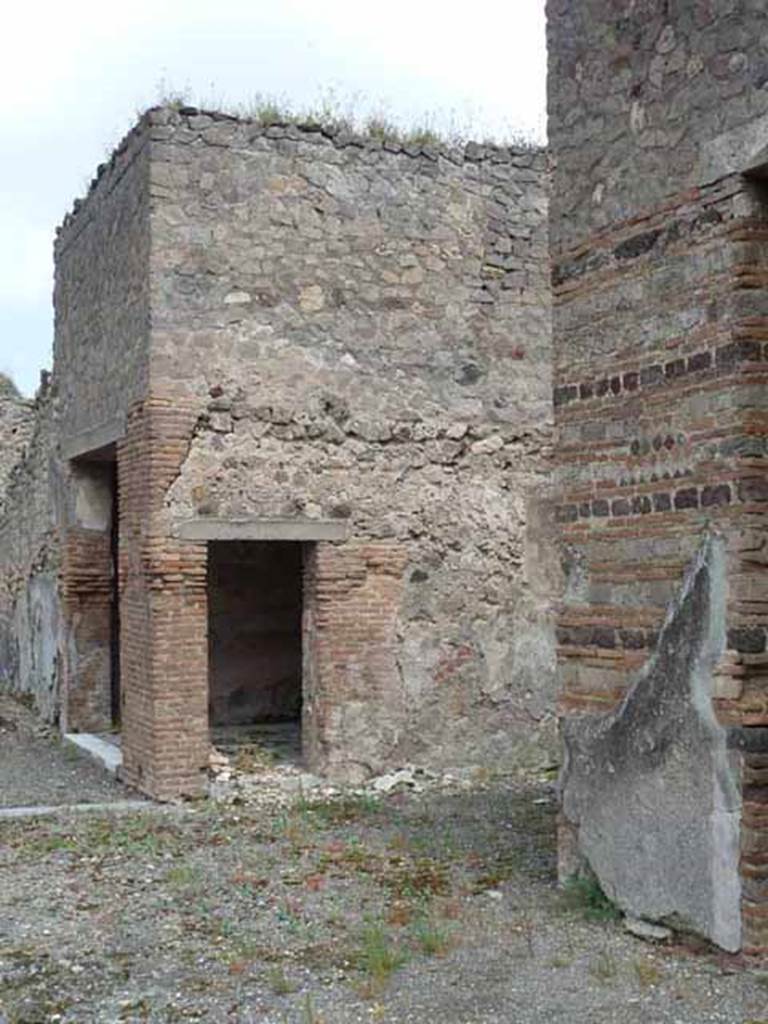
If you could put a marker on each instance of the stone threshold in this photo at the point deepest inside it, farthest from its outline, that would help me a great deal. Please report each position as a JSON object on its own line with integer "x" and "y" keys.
{"x": 106, "y": 751}
{"x": 51, "y": 810}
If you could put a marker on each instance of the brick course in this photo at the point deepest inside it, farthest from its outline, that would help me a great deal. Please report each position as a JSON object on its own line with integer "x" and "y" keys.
{"x": 164, "y": 650}
{"x": 659, "y": 263}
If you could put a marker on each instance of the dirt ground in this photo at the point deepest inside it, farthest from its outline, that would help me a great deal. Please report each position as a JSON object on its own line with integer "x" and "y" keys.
{"x": 37, "y": 768}
{"x": 437, "y": 907}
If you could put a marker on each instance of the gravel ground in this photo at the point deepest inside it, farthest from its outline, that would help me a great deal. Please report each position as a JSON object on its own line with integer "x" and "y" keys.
{"x": 437, "y": 907}
{"x": 37, "y": 769}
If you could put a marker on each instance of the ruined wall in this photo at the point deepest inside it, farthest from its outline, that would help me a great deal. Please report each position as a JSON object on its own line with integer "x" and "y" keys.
{"x": 101, "y": 300}
{"x": 659, "y": 257}
{"x": 29, "y": 561}
{"x": 51, "y": 647}
{"x": 315, "y": 327}
{"x": 17, "y": 420}
{"x": 101, "y": 295}
{"x": 364, "y": 330}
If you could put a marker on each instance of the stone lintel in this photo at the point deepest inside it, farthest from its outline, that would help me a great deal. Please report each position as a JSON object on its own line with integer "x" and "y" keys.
{"x": 211, "y": 528}
{"x": 92, "y": 440}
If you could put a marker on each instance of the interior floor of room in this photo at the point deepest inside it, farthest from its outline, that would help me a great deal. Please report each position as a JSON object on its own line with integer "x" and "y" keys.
{"x": 280, "y": 742}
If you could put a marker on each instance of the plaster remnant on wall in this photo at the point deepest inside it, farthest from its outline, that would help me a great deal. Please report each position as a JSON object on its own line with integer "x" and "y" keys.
{"x": 652, "y": 788}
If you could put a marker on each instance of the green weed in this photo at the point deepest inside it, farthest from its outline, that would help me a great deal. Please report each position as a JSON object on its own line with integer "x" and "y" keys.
{"x": 432, "y": 938}
{"x": 341, "y": 811}
{"x": 378, "y": 957}
{"x": 278, "y": 982}
{"x": 335, "y": 113}
{"x": 311, "y": 1016}
{"x": 416, "y": 879}
{"x": 604, "y": 967}
{"x": 648, "y": 973}
{"x": 584, "y": 894}
{"x": 184, "y": 876}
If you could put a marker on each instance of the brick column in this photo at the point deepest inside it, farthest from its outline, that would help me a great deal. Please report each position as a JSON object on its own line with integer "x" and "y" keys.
{"x": 741, "y": 694}
{"x": 754, "y": 855}
{"x": 354, "y": 701}
{"x": 164, "y": 649}
{"x": 661, "y": 439}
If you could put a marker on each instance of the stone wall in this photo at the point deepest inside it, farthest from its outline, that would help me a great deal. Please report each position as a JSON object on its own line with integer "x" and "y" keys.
{"x": 273, "y": 322}
{"x": 17, "y": 421}
{"x": 363, "y": 330}
{"x": 649, "y": 98}
{"x": 659, "y": 257}
{"x": 29, "y": 561}
{"x": 55, "y": 572}
{"x": 101, "y": 295}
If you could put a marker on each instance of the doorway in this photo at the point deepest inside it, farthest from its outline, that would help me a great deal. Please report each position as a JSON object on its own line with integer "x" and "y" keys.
{"x": 255, "y": 645}
{"x": 92, "y": 595}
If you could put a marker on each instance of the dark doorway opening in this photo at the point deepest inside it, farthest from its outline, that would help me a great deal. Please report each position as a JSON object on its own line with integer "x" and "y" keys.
{"x": 114, "y": 606}
{"x": 255, "y": 643}
{"x": 92, "y": 583}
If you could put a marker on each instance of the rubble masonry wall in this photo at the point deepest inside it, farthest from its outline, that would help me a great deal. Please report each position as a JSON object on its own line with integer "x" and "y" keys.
{"x": 363, "y": 331}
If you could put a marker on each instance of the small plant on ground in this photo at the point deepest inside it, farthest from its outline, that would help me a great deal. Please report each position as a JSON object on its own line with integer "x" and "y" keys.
{"x": 416, "y": 879}
{"x": 583, "y": 893}
{"x": 432, "y": 938}
{"x": 311, "y": 1016}
{"x": 184, "y": 876}
{"x": 560, "y": 961}
{"x": 648, "y": 973}
{"x": 278, "y": 982}
{"x": 252, "y": 757}
{"x": 604, "y": 967}
{"x": 524, "y": 928}
{"x": 341, "y": 811}
{"x": 378, "y": 957}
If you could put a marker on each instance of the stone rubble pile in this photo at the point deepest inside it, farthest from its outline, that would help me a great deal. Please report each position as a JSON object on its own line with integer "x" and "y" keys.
{"x": 262, "y": 782}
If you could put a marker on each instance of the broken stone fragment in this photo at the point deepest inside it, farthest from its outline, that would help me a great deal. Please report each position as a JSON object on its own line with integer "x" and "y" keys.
{"x": 487, "y": 446}
{"x": 221, "y": 422}
{"x": 456, "y": 431}
{"x": 311, "y": 299}
{"x": 402, "y": 778}
{"x": 647, "y": 930}
{"x": 237, "y": 298}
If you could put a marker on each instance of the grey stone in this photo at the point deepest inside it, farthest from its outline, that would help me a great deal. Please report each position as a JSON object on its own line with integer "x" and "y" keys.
{"x": 294, "y": 529}
{"x": 647, "y": 930}
{"x": 652, "y": 789}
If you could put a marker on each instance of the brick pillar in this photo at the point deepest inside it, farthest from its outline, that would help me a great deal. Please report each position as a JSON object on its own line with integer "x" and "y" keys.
{"x": 163, "y": 603}
{"x": 754, "y": 855}
{"x": 742, "y": 684}
{"x": 661, "y": 439}
{"x": 87, "y": 605}
{"x": 354, "y": 701}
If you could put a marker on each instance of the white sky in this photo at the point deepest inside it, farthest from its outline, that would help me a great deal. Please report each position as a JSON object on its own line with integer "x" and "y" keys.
{"x": 74, "y": 73}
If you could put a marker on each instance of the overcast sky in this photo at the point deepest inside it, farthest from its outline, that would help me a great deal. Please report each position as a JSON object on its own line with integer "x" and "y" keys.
{"x": 75, "y": 73}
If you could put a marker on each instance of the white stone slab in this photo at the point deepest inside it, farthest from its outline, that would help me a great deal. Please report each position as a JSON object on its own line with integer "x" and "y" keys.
{"x": 107, "y": 754}
{"x": 47, "y": 810}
